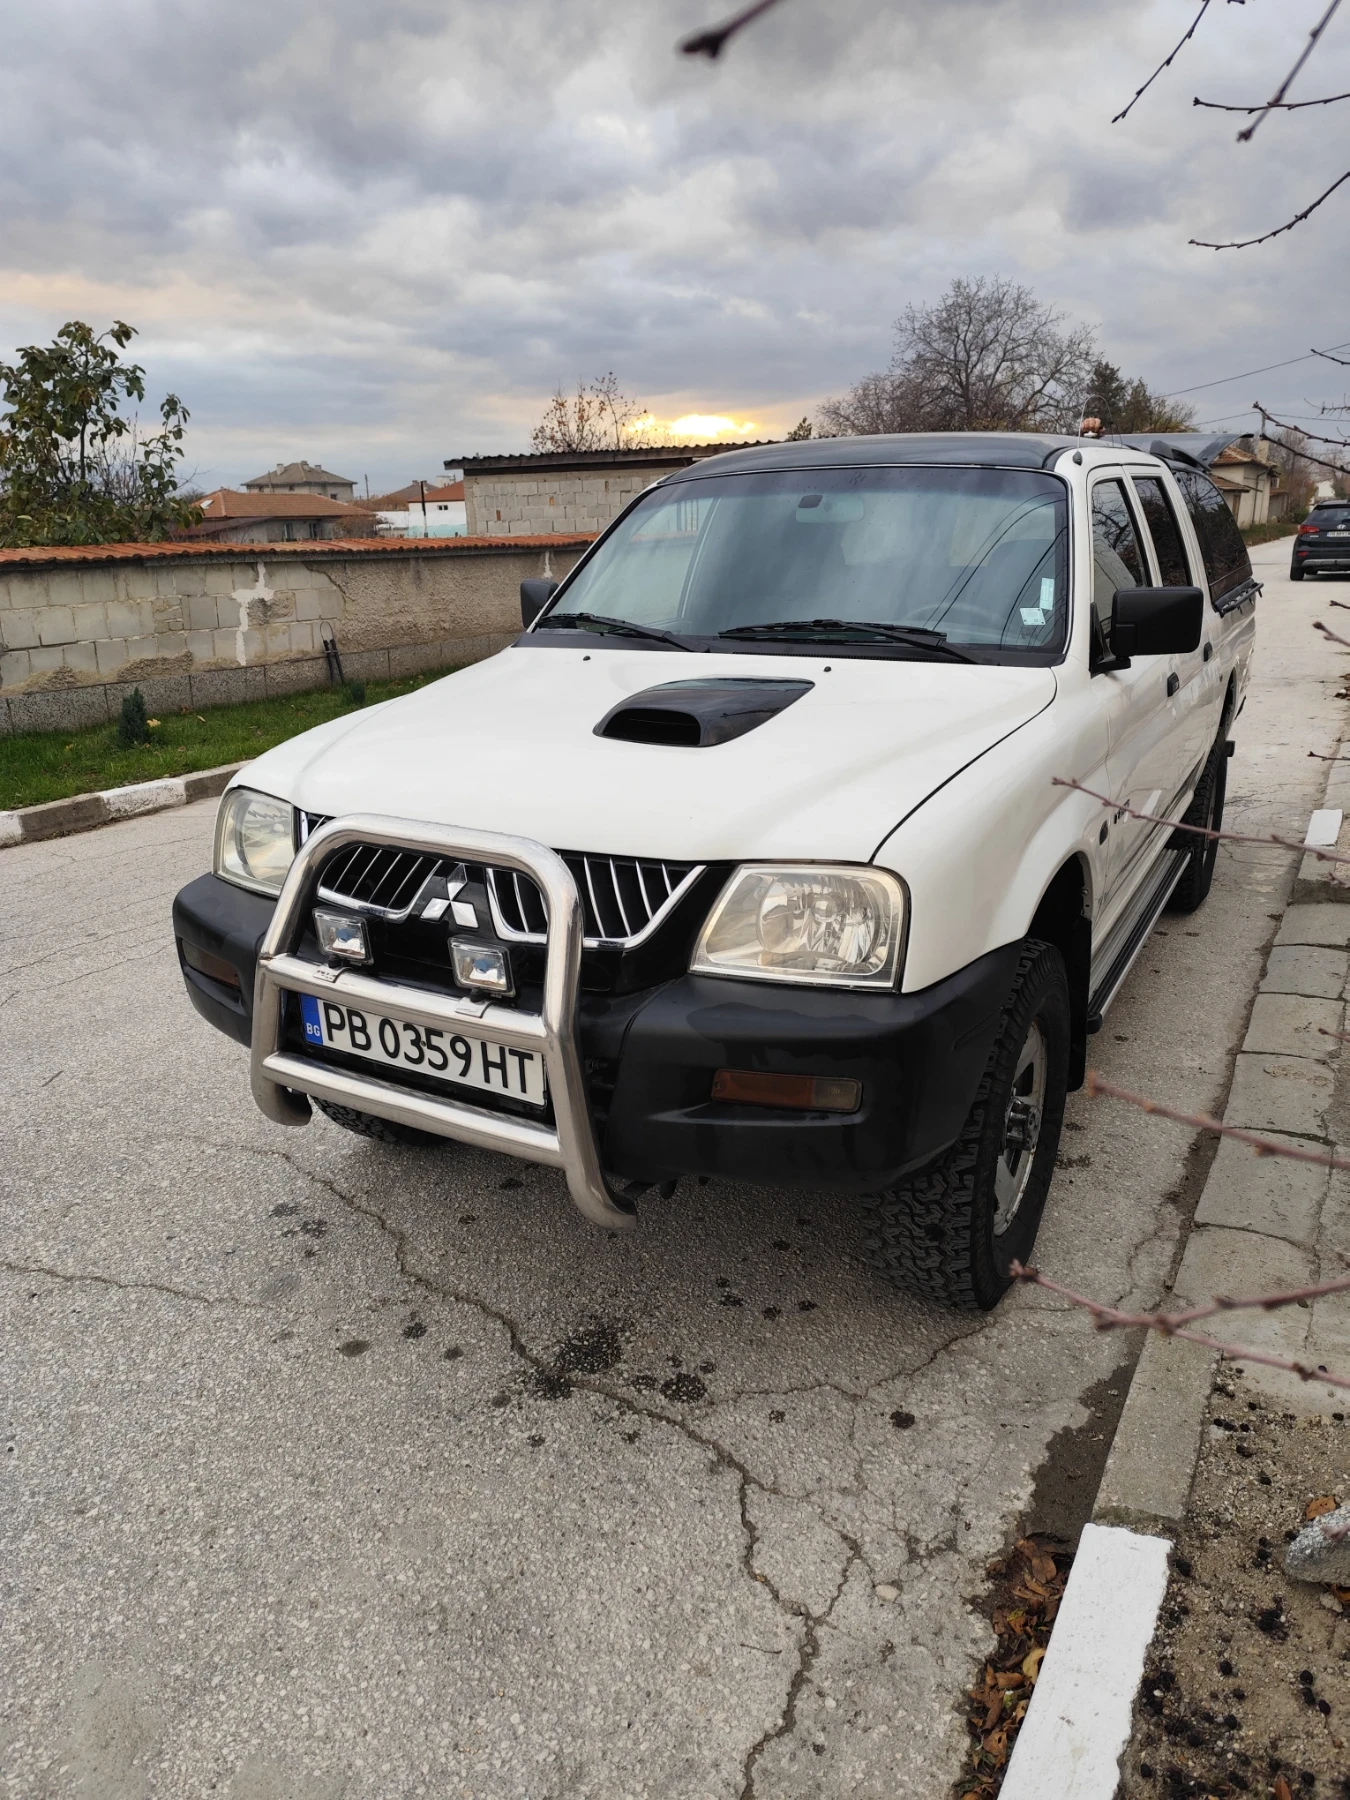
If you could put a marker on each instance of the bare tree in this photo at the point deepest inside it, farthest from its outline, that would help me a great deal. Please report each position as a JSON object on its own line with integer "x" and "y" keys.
{"x": 988, "y": 356}
{"x": 1298, "y": 471}
{"x": 599, "y": 417}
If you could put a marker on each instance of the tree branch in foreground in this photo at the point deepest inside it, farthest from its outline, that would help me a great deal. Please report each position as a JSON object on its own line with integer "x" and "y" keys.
{"x": 1230, "y": 837}
{"x": 1110, "y": 1318}
{"x": 1262, "y": 1146}
{"x": 1303, "y": 455}
{"x": 1266, "y": 236}
{"x": 1166, "y": 63}
{"x": 1326, "y": 353}
{"x": 1271, "y": 106}
{"x": 1277, "y": 97}
{"x": 1316, "y": 436}
{"x": 713, "y": 40}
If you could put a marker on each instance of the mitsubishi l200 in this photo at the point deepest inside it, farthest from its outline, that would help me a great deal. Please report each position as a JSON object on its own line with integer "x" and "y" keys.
{"x": 751, "y": 857}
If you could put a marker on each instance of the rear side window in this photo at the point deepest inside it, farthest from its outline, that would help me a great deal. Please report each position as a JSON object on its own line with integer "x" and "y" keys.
{"x": 1227, "y": 563}
{"x": 1173, "y": 568}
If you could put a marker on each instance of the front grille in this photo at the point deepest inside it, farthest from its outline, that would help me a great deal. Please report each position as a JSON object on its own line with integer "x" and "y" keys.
{"x": 382, "y": 881}
{"x": 623, "y": 898}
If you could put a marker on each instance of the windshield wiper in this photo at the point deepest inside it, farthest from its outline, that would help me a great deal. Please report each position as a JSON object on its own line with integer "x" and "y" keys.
{"x": 842, "y": 629}
{"x": 600, "y": 622}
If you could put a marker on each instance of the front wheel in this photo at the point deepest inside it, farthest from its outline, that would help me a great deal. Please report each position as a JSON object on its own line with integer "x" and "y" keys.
{"x": 953, "y": 1230}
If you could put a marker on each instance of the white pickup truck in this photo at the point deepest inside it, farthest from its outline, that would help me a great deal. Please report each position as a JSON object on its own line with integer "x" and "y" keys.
{"x": 751, "y": 857}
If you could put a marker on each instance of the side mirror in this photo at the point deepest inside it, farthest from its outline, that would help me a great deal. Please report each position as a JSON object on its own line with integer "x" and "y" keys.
{"x": 1156, "y": 622}
{"x": 534, "y": 597}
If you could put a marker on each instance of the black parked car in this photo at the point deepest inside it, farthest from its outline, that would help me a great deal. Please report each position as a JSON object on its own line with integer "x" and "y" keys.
{"x": 1323, "y": 540}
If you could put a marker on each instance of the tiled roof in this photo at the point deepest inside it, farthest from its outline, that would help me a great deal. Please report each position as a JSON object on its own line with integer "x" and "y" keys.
{"x": 411, "y": 495}
{"x": 300, "y": 471}
{"x": 226, "y": 503}
{"x": 64, "y": 555}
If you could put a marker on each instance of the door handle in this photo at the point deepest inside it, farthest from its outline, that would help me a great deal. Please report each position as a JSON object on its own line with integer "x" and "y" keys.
{"x": 1209, "y": 651}
{"x": 1173, "y": 683}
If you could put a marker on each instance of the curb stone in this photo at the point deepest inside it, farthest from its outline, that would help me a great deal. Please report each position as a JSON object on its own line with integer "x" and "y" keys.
{"x": 1258, "y": 1225}
{"x": 84, "y": 812}
{"x": 1082, "y": 1706}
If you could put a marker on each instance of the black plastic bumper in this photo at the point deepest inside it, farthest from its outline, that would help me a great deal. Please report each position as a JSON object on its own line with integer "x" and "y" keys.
{"x": 919, "y": 1058}
{"x": 224, "y": 922}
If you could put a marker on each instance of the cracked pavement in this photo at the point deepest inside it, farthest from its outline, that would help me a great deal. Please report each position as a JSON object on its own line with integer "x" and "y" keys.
{"x": 339, "y": 1470}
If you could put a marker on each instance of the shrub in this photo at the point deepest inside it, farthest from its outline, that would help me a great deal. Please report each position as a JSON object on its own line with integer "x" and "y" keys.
{"x": 134, "y": 726}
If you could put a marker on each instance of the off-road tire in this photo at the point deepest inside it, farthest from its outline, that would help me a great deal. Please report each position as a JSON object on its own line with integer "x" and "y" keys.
{"x": 934, "y": 1233}
{"x": 383, "y": 1131}
{"x": 1205, "y": 809}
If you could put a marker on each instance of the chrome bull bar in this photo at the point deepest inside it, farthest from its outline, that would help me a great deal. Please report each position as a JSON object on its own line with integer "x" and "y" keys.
{"x": 281, "y": 1079}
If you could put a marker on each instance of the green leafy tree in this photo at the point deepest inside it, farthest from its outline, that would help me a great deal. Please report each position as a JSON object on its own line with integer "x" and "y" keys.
{"x": 1131, "y": 406}
{"x": 74, "y": 468}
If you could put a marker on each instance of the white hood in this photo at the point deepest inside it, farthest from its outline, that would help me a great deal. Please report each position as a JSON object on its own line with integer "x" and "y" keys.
{"x": 509, "y": 745}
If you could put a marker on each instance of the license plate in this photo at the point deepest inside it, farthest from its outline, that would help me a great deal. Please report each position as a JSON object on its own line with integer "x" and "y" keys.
{"x": 455, "y": 1056}
{"x": 1338, "y": 534}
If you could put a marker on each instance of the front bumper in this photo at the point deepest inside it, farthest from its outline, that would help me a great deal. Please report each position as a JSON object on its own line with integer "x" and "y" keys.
{"x": 630, "y": 1075}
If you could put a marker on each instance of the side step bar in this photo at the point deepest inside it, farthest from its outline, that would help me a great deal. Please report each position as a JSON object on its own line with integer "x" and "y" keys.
{"x": 1172, "y": 866}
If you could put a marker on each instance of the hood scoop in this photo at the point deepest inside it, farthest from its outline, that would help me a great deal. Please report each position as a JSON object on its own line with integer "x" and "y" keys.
{"x": 695, "y": 714}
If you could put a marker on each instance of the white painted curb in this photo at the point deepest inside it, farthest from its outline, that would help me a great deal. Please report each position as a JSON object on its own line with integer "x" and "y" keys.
{"x": 1081, "y": 1712}
{"x": 83, "y": 812}
{"x": 145, "y": 797}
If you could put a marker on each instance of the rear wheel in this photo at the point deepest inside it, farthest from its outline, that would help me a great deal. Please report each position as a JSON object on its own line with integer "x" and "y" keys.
{"x": 953, "y": 1230}
{"x": 1296, "y": 574}
{"x": 383, "y": 1131}
{"x": 1206, "y": 811}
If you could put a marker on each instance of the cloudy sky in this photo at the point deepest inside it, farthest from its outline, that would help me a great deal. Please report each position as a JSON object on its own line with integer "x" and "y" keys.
{"x": 380, "y": 235}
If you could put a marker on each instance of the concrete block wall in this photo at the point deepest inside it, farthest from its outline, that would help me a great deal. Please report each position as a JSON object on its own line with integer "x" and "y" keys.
{"x": 211, "y": 626}
{"x": 541, "y": 501}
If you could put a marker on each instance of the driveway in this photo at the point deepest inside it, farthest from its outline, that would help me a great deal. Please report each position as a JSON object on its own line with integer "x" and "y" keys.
{"x": 339, "y": 1470}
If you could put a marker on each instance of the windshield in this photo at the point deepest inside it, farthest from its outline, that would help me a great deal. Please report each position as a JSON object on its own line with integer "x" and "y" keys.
{"x": 978, "y": 555}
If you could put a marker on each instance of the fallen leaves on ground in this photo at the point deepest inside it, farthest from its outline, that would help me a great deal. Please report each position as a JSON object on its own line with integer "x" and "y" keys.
{"x": 1030, "y": 1585}
{"x": 1316, "y": 1509}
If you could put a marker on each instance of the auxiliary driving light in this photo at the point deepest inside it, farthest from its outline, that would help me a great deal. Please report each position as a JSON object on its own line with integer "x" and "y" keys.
{"x": 480, "y": 966}
{"x": 341, "y": 936}
{"x": 801, "y": 1093}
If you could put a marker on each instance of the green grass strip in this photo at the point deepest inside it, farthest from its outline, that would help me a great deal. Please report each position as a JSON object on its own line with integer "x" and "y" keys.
{"x": 1264, "y": 534}
{"x": 50, "y": 765}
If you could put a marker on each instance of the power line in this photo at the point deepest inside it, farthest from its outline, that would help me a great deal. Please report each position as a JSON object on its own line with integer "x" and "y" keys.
{"x": 1223, "y": 380}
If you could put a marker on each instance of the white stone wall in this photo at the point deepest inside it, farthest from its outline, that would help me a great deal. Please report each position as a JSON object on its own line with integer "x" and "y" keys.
{"x": 61, "y": 628}
{"x": 73, "y": 624}
{"x": 538, "y": 502}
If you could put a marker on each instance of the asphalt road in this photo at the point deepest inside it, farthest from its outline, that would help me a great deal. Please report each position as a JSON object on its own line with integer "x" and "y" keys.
{"x": 337, "y": 1470}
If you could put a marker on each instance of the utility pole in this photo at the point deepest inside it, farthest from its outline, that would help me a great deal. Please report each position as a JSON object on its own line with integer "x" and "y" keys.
{"x": 423, "y": 486}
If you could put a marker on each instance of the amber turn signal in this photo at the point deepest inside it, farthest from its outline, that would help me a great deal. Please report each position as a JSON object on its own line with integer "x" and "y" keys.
{"x": 215, "y": 967}
{"x": 803, "y": 1093}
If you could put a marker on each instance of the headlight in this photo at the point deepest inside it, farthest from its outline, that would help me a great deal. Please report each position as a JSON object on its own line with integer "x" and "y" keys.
{"x": 255, "y": 840}
{"x": 829, "y": 927}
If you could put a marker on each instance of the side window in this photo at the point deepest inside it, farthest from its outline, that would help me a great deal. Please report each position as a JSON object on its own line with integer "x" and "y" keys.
{"x": 1117, "y": 556}
{"x": 1173, "y": 568}
{"x": 1227, "y": 563}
